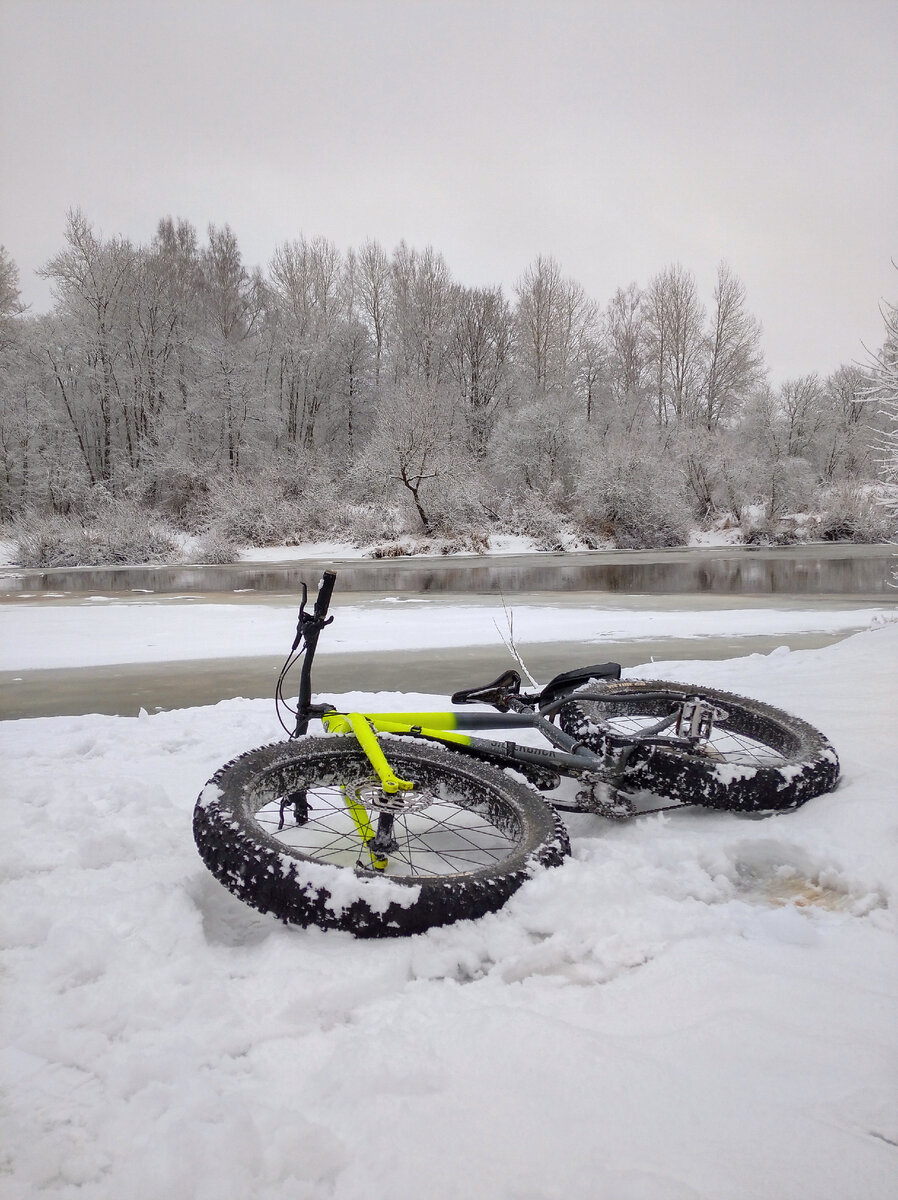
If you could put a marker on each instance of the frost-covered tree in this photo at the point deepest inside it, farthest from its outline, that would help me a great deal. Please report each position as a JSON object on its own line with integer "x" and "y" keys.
{"x": 21, "y": 398}
{"x": 480, "y": 358}
{"x": 233, "y": 302}
{"x": 884, "y": 392}
{"x": 91, "y": 281}
{"x": 11, "y": 306}
{"x": 372, "y": 275}
{"x": 173, "y": 378}
{"x": 625, "y": 341}
{"x": 421, "y": 308}
{"x": 735, "y": 362}
{"x": 411, "y": 446}
{"x": 845, "y": 438}
{"x": 553, "y": 315}
{"x": 675, "y": 339}
{"x": 307, "y": 278}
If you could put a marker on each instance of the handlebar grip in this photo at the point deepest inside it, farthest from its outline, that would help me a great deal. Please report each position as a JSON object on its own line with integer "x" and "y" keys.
{"x": 325, "y": 591}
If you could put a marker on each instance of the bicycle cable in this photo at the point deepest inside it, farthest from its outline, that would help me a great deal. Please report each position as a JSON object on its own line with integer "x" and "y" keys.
{"x": 280, "y": 701}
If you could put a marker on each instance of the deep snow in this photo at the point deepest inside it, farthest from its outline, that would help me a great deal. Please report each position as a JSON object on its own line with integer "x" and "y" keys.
{"x": 695, "y": 1005}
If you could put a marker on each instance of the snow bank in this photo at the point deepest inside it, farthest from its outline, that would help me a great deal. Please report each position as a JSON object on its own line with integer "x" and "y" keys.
{"x": 696, "y": 1006}
{"x": 100, "y": 632}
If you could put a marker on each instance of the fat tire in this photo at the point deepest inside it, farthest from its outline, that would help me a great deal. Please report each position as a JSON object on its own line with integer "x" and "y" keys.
{"x": 808, "y": 765}
{"x": 278, "y": 879}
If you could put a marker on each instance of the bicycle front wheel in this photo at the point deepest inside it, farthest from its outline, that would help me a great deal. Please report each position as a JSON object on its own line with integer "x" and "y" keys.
{"x": 299, "y": 829}
{"x": 757, "y": 758}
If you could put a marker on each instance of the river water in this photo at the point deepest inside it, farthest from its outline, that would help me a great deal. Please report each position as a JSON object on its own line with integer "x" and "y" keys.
{"x": 824, "y": 569}
{"x": 804, "y": 578}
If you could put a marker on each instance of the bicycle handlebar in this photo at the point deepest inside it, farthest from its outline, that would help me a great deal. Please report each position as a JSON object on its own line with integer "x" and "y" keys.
{"x": 308, "y": 629}
{"x": 325, "y": 591}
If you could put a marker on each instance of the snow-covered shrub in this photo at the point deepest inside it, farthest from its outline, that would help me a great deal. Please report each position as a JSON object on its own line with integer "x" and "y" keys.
{"x": 634, "y": 497}
{"x": 49, "y": 541}
{"x": 177, "y": 489}
{"x": 854, "y": 514}
{"x": 276, "y": 507}
{"x": 531, "y": 514}
{"x": 364, "y": 524}
{"x": 246, "y": 517}
{"x": 475, "y": 541}
{"x": 781, "y": 489}
{"x": 472, "y": 541}
{"x": 460, "y": 519}
{"x": 400, "y": 549}
{"x": 538, "y": 445}
{"x": 215, "y": 549}
{"x": 120, "y": 533}
{"x": 127, "y": 534}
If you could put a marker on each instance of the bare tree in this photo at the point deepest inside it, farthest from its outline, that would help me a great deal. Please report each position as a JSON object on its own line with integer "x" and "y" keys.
{"x": 626, "y": 346}
{"x": 91, "y": 283}
{"x": 846, "y": 437}
{"x": 308, "y": 281}
{"x": 11, "y": 306}
{"x": 421, "y": 313}
{"x": 374, "y": 296}
{"x": 552, "y": 315}
{"x": 799, "y": 403}
{"x": 234, "y": 301}
{"x": 411, "y": 444}
{"x": 884, "y": 393}
{"x": 354, "y": 353}
{"x": 735, "y": 361}
{"x": 482, "y": 337}
{"x": 21, "y": 397}
{"x": 674, "y": 319}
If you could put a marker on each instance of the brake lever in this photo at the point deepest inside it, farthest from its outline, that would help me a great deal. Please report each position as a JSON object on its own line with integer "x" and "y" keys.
{"x": 302, "y": 618}
{"x": 307, "y": 619}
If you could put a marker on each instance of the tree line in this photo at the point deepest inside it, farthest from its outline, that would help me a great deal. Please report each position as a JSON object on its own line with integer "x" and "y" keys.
{"x": 366, "y": 394}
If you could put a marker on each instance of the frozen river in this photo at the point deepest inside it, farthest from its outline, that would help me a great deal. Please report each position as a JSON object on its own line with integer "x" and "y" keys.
{"x": 77, "y": 641}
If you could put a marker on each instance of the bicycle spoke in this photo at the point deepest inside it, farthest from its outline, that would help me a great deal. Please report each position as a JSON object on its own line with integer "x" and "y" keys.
{"x": 443, "y": 838}
{"x": 724, "y": 744}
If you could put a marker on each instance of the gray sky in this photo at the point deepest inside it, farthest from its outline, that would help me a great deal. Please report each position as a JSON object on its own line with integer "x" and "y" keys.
{"x": 617, "y": 136}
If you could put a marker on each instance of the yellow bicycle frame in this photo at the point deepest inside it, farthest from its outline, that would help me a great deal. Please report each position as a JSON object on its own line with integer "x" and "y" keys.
{"x": 363, "y": 726}
{"x": 442, "y": 726}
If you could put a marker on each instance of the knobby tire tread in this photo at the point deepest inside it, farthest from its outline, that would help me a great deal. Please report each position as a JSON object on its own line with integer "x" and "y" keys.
{"x": 809, "y": 768}
{"x": 270, "y": 877}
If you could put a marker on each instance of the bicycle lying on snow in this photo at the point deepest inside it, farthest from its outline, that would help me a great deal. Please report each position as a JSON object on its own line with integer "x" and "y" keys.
{"x": 396, "y": 822}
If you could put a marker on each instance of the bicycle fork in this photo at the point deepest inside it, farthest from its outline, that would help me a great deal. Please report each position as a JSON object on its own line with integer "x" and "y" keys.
{"x": 379, "y": 843}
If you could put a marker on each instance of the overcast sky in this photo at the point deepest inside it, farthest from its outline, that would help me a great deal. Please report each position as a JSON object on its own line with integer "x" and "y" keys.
{"x": 618, "y": 137}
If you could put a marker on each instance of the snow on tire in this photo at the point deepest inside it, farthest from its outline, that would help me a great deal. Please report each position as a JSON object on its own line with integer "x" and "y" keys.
{"x": 274, "y": 826}
{"x": 758, "y": 759}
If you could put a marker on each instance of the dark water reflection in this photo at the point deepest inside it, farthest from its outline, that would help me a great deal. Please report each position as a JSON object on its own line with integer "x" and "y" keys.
{"x": 806, "y": 570}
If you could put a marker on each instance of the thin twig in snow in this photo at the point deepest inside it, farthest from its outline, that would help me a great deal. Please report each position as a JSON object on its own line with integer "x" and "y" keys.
{"x": 509, "y": 642}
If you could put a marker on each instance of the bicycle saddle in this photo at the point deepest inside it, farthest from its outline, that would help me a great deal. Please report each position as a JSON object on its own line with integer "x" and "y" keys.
{"x": 496, "y": 693}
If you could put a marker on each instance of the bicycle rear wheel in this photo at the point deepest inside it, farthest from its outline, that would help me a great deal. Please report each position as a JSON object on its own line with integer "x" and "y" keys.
{"x": 289, "y": 829}
{"x": 758, "y": 758}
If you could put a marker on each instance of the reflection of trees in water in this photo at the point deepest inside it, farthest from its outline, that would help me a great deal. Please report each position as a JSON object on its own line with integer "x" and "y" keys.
{"x": 739, "y": 574}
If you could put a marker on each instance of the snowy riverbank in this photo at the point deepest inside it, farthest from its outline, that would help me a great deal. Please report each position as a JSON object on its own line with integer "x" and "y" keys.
{"x": 99, "y": 631}
{"x": 695, "y": 1006}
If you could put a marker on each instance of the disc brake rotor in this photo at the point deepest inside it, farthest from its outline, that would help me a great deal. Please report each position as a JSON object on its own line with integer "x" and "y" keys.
{"x": 371, "y": 795}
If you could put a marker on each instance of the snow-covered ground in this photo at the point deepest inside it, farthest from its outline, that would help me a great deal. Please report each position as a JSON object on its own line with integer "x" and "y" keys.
{"x": 696, "y": 1005}
{"x": 99, "y": 631}
{"x": 499, "y": 544}
{"x": 190, "y": 547}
